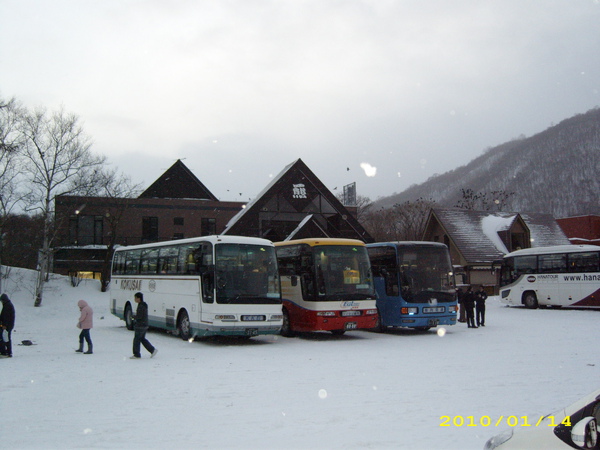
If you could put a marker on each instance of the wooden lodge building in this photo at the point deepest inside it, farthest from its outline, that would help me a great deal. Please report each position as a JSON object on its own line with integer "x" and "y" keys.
{"x": 177, "y": 205}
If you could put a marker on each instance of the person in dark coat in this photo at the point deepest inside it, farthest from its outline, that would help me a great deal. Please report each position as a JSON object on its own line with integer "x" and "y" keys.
{"x": 461, "y": 307}
{"x": 469, "y": 304}
{"x": 7, "y": 323}
{"x": 480, "y": 298}
{"x": 140, "y": 328}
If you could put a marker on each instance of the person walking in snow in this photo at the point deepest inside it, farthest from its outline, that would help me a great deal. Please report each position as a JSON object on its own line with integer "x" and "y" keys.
{"x": 85, "y": 323}
{"x": 7, "y": 323}
{"x": 140, "y": 328}
{"x": 469, "y": 304}
{"x": 480, "y": 298}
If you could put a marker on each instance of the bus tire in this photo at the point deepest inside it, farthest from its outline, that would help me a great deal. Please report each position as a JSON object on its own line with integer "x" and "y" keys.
{"x": 338, "y": 332}
{"x": 183, "y": 325}
{"x": 379, "y": 328}
{"x": 530, "y": 300}
{"x": 128, "y": 316}
{"x": 286, "y": 329}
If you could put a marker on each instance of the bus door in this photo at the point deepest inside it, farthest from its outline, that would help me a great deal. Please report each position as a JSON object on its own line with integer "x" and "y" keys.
{"x": 387, "y": 283}
{"x": 197, "y": 260}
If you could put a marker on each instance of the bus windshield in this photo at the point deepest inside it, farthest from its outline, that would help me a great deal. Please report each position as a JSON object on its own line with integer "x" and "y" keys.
{"x": 246, "y": 274}
{"x": 343, "y": 273}
{"x": 425, "y": 270}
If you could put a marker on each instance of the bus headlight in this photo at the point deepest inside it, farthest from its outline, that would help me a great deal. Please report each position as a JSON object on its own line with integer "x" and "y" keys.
{"x": 505, "y": 293}
{"x": 225, "y": 317}
{"x": 453, "y": 308}
{"x": 371, "y": 312}
{"x": 275, "y": 317}
{"x": 411, "y": 310}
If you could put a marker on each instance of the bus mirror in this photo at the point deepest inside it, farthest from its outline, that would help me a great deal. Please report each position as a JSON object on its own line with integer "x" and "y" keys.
{"x": 294, "y": 280}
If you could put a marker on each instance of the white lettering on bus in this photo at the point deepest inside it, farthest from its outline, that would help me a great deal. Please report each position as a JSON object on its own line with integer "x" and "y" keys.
{"x": 350, "y": 304}
{"x": 131, "y": 285}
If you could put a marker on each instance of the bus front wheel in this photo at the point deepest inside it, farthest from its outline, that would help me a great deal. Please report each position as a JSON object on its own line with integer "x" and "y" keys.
{"x": 286, "y": 329}
{"x": 530, "y": 300}
{"x": 128, "y": 315}
{"x": 183, "y": 325}
{"x": 379, "y": 327}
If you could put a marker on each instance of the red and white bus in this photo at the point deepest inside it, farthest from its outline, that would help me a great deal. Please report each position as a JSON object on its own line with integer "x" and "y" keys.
{"x": 326, "y": 285}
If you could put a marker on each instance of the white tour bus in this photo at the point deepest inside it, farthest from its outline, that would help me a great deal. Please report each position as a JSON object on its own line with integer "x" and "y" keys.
{"x": 562, "y": 275}
{"x": 206, "y": 286}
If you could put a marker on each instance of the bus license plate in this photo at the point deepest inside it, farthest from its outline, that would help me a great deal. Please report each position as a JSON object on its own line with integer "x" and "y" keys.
{"x": 435, "y": 309}
{"x": 433, "y": 322}
{"x": 350, "y": 326}
{"x": 251, "y": 331}
{"x": 253, "y": 318}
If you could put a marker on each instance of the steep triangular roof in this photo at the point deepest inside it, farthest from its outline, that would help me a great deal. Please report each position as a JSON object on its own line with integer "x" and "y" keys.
{"x": 476, "y": 233}
{"x": 178, "y": 182}
{"x": 288, "y": 199}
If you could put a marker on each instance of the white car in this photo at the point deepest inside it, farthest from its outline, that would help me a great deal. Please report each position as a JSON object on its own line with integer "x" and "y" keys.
{"x": 576, "y": 427}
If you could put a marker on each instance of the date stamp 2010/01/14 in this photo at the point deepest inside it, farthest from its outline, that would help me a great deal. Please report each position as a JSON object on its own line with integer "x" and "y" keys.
{"x": 511, "y": 421}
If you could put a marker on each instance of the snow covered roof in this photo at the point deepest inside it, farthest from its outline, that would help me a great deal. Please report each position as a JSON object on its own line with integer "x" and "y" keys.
{"x": 476, "y": 234}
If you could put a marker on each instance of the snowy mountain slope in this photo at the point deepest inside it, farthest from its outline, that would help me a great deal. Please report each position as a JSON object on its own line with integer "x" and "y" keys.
{"x": 555, "y": 171}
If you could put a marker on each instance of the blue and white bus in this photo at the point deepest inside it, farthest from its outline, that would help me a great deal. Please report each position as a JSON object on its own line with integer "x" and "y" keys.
{"x": 206, "y": 286}
{"x": 414, "y": 283}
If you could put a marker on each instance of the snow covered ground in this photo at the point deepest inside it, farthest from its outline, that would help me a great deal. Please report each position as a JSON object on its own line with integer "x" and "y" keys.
{"x": 361, "y": 390}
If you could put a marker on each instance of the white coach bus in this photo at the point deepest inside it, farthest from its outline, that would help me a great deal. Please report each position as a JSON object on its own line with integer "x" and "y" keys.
{"x": 206, "y": 286}
{"x": 562, "y": 275}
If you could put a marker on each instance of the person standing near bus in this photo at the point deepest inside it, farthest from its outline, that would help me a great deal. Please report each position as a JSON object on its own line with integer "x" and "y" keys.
{"x": 480, "y": 298}
{"x": 85, "y": 324}
{"x": 461, "y": 307}
{"x": 7, "y": 323}
{"x": 141, "y": 327}
{"x": 469, "y": 304}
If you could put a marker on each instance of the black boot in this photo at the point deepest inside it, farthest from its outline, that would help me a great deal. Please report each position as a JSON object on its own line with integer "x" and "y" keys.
{"x": 80, "y": 349}
{"x": 89, "y": 352}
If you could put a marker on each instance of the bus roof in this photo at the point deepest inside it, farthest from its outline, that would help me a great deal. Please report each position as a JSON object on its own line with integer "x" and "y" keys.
{"x": 215, "y": 239}
{"x": 408, "y": 244}
{"x": 321, "y": 241}
{"x": 554, "y": 249}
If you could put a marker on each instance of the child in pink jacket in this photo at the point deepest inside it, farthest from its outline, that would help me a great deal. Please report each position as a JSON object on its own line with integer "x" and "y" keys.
{"x": 85, "y": 324}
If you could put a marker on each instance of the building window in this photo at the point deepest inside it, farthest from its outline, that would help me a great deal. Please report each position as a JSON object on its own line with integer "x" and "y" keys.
{"x": 178, "y": 221}
{"x": 149, "y": 229}
{"x": 208, "y": 227}
{"x": 86, "y": 230}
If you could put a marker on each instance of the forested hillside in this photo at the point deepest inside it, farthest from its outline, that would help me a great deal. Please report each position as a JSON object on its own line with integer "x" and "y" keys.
{"x": 556, "y": 171}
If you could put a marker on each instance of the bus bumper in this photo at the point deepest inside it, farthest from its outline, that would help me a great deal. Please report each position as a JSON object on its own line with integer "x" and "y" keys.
{"x": 204, "y": 330}
{"x": 422, "y": 322}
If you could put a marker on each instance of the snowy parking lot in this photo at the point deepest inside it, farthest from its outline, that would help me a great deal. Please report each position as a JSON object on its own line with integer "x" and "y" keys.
{"x": 402, "y": 389}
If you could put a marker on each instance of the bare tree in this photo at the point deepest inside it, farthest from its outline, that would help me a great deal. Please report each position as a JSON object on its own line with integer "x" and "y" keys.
{"x": 363, "y": 206}
{"x": 117, "y": 188}
{"x": 402, "y": 222}
{"x": 498, "y": 200}
{"x": 10, "y": 146}
{"x": 58, "y": 162}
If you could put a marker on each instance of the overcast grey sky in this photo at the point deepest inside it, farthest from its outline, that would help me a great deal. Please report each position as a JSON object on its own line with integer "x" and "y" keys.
{"x": 385, "y": 93}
